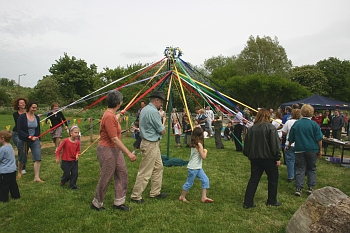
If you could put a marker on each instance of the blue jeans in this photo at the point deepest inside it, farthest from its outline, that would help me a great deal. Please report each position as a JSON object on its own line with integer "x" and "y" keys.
{"x": 305, "y": 163}
{"x": 15, "y": 140}
{"x": 290, "y": 160}
{"x": 23, "y": 152}
{"x": 192, "y": 174}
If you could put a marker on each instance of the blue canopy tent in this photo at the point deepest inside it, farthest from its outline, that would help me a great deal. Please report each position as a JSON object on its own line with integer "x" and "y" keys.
{"x": 319, "y": 102}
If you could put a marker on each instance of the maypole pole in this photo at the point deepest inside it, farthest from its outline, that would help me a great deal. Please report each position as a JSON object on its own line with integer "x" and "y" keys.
{"x": 171, "y": 53}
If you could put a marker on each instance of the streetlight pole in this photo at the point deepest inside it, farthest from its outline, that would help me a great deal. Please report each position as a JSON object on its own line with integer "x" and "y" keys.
{"x": 19, "y": 80}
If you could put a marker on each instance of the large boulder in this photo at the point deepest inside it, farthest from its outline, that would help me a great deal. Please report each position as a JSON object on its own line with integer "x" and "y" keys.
{"x": 325, "y": 210}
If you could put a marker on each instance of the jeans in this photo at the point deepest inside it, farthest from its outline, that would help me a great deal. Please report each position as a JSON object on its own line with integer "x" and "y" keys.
{"x": 192, "y": 174}
{"x": 15, "y": 140}
{"x": 23, "y": 151}
{"x": 305, "y": 162}
{"x": 290, "y": 160}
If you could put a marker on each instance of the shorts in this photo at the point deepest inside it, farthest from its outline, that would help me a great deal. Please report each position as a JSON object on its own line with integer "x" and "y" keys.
{"x": 57, "y": 133}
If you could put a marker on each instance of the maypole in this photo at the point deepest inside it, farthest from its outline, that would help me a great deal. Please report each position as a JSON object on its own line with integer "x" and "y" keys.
{"x": 171, "y": 53}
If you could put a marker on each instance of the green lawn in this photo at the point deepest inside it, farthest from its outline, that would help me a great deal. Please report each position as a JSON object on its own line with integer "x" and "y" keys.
{"x": 48, "y": 207}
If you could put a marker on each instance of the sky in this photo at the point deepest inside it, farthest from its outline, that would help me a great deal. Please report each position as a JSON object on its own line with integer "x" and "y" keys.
{"x": 109, "y": 33}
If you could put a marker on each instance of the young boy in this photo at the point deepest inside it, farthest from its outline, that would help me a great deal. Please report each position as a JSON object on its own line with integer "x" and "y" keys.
{"x": 7, "y": 168}
{"x": 188, "y": 132}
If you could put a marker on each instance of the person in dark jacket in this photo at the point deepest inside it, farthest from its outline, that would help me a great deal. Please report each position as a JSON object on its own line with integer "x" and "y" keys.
{"x": 57, "y": 120}
{"x": 261, "y": 146}
{"x": 28, "y": 126}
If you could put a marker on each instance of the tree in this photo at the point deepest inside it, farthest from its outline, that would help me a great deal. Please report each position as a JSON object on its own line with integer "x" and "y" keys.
{"x": 4, "y": 97}
{"x": 263, "y": 56}
{"x": 338, "y": 76}
{"x": 74, "y": 77}
{"x": 220, "y": 61}
{"x": 311, "y": 77}
{"x": 269, "y": 91}
{"x": 5, "y": 82}
{"x": 47, "y": 91}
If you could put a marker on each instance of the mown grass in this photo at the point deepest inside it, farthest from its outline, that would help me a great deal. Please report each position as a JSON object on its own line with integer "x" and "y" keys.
{"x": 48, "y": 207}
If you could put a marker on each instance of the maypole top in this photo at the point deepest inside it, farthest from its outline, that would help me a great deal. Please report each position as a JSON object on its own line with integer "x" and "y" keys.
{"x": 172, "y": 52}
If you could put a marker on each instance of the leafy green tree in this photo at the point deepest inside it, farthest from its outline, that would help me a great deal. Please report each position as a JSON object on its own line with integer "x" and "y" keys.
{"x": 311, "y": 77}
{"x": 268, "y": 91}
{"x": 5, "y": 99}
{"x": 74, "y": 77}
{"x": 220, "y": 61}
{"x": 338, "y": 75}
{"x": 47, "y": 91}
{"x": 263, "y": 56}
{"x": 5, "y": 82}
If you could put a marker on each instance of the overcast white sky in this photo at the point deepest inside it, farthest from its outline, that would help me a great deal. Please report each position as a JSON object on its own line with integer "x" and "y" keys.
{"x": 111, "y": 33}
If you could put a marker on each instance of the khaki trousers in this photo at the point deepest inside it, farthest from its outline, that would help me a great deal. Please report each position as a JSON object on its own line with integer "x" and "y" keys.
{"x": 151, "y": 167}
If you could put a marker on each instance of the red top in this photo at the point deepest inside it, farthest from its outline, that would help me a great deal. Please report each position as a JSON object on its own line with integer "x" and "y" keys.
{"x": 70, "y": 150}
{"x": 109, "y": 129}
{"x": 317, "y": 119}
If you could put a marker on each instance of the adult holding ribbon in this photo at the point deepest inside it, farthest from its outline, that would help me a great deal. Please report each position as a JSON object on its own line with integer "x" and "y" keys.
{"x": 110, "y": 156}
{"x": 28, "y": 125}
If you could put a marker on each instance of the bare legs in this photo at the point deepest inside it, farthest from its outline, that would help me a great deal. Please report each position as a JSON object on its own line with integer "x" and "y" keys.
{"x": 20, "y": 166}
{"x": 36, "y": 171}
{"x": 205, "y": 199}
{"x": 57, "y": 142}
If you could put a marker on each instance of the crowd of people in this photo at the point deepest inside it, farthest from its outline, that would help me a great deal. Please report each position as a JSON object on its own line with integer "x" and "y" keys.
{"x": 295, "y": 134}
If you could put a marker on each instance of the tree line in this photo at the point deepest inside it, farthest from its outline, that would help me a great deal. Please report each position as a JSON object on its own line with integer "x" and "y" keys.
{"x": 261, "y": 75}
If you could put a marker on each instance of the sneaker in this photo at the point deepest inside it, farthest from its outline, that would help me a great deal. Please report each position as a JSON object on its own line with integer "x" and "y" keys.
{"x": 24, "y": 172}
{"x": 310, "y": 190}
{"x": 121, "y": 207}
{"x": 97, "y": 209}
{"x": 298, "y": 192}
{"x": 134, "y": 152}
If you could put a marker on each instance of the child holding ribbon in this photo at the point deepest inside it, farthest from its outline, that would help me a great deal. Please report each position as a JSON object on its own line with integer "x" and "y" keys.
{"x": 70, "y": 155}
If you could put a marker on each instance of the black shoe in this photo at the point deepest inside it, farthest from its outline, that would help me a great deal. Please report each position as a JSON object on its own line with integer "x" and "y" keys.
{"x": 141, "y": 201}
{"x": 97, "y": 209}
{"x": 74, "y": 188}
{"x": 161, "y": 196}
{"x": 248, "y": 207}
{"x": 62, "y": 183}
{"x": 275, "y": 204}
{"x": 290, "y": 180}
{"x": 121, "y": 207}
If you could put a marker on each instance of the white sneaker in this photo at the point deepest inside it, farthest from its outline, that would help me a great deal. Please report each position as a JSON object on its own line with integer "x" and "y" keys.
{"x": 24, "y": 172}
{"x": 133, "y": 152}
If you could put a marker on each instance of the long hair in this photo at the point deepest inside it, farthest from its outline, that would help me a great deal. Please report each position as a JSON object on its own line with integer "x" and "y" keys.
{"x": 262, "y": 116}
{"x": 196, "y": 137}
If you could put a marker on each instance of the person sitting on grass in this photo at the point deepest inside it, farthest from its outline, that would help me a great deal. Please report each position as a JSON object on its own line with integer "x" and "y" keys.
{"x": 198, "y": 153}
{"x": 70, "y": 155}
{"x": 7, "y": 168}
{"x": 228, "y": 132}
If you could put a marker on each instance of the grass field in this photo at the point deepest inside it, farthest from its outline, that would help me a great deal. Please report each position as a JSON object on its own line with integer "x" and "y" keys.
{"x": 47, "y": 207}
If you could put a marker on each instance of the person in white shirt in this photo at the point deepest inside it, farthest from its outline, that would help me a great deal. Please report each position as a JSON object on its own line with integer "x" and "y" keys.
{"x": 210, "y": 117}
